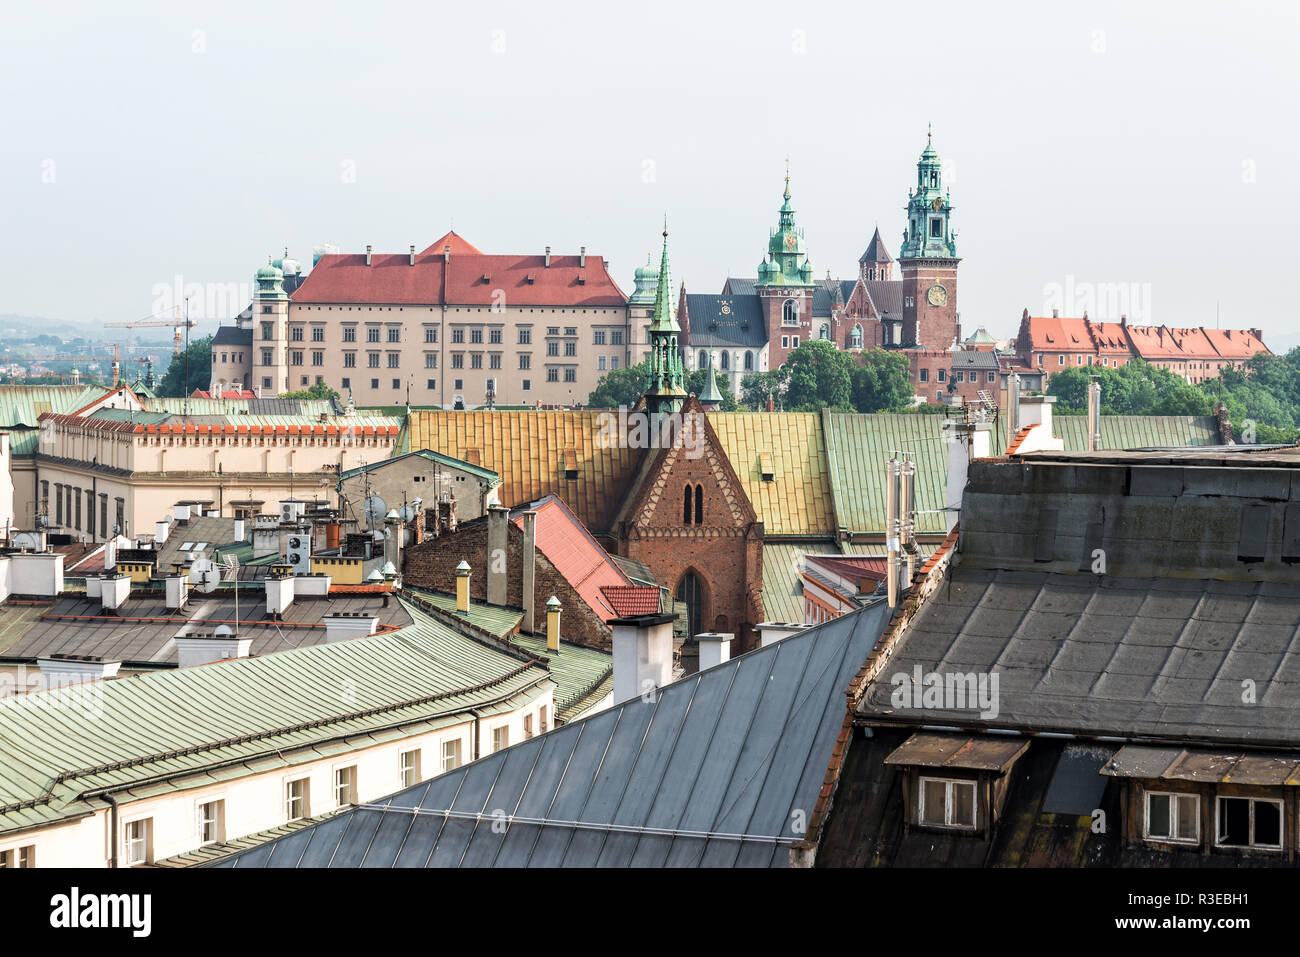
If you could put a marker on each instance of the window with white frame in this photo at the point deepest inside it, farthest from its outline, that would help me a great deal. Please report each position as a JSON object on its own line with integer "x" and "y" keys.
{"x": 1249, "y": 822}
{"x": 451, "y": 754}
{"x": 212, "y": 823}
{"x": 528, "y": 726}
{"x": 345, "y": 785}
{"x": 297, "y": 797}
{"x": 1173, "y": 817}
{"x": 500, "y": 738}
{"x": 947, "y": 803}
{"x": 410, "y": 768}
{"x": 137, "y": 841}
{"x": 544, "y": 716}
{"x": 24, "y": 856}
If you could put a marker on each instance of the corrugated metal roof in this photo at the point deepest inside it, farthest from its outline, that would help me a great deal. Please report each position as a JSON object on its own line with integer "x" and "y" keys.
{"x": 150, "y": 731}
{"x": 858, "y": 447}
{"x": 526, "y": 449}
{"x": 582, "y": 675}
{"x": 1138, "y": 431}
{"x": 24, "y": 404}
{"x": 798, "y": 500}
{"x": 782, "y": 585}
{"x": 712, "y": 771}
{"x": 494, "y": 619}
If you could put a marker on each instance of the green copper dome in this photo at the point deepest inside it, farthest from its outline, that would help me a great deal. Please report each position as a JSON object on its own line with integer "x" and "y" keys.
{"x": 269, "y": 282}
{"x": 647, "y": 283}
{"x": 786, "y": 263}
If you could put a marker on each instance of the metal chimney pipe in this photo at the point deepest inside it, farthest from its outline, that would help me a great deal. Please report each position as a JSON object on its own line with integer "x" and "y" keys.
{"x": 891, "y": 528}
{"x": 582, "y": 257}
{"x": 412, "y": 259}
{"x": 548, "y": 257}
{"x": 1013, "y": 407}
{"x": 1094, "y": 415}
{"x": 907, "y": 528}
{"x": 369, "y": 248}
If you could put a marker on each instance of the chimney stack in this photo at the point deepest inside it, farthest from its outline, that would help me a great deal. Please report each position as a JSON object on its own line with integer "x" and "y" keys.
{"x": 369, "y": 249}
{"x": 446, "y": 253}
{"x": 530, "y": 572}
{"x": 715, "y": 648}
{"x": 177, "y": 589}
{"x": 1094, "y": 414}
{"x": 643, "y": 655}
{"x": 497, "y": 546}
{"x": 582, "y": 257}
{"x": 1056, "y": 314}
{"x": 548, "y": 257}
{"x": 553, "y": 625}
{"x": 160, "y": 532}
{"x": 1013, "y": 406}
{"x": 966, "y": 441}
{"x": 412, "y": 259}
{"x": 181, "y": 512}
{"x": 60, "y": 670}
{"x": 239, "y": 530}
{"x": 113, "y": 592}
{"x": 279, "y": 596}
{"x": 891, "y": 528}
{"x": 462, "y": 587}
{"x": 770, "y": 632}
{"x": 342, "y": 626}
{"x": 206, "y": 647}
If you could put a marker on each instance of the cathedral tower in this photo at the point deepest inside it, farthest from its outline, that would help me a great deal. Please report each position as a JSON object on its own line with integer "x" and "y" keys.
{"x": 928, "y": 260}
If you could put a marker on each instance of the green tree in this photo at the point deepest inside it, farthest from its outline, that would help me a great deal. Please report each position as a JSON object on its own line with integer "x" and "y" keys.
{"x": 697, "y": 380}
{"x": 756, "y": 387}
{"x": 619, "y": 387}
{"x": 183, "y": 377}
{"x": 818, "y": 376}
{"x": 881, "y": 381}
{"x": 318, "y": 391}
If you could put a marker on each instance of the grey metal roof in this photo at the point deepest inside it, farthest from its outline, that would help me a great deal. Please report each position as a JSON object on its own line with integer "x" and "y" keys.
{"x": 730, "y": 755}
{"x": 886, "y": 295}
{"x": 982, "y": 360}
{"x": 233, "y": 336}
{"x": 725, "y": 321}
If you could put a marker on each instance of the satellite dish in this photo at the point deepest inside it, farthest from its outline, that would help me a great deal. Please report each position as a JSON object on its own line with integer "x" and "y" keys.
{"x": 374, "y": 509}
{"x": 407, "y": 513}
{"x": 204, "y": 575}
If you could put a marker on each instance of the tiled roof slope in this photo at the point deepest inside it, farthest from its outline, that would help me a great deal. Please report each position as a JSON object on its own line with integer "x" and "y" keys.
{"x": 798, "y": 499}
{"x": 165, "y": 731}
{"x": 526, "y": 448}
{"x": 575, "y": 554}
{"x": 724, "y": 759}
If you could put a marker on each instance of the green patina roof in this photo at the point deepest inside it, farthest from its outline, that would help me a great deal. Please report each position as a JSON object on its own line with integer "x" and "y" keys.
{"x": 782, "y": 585}
{"x": 242, "y": 716}
{"x": 582, "y": 675}
{"x": 21, "y": 407}
{"x": 496, "y": 620}
{"x": 486, "y": 474}
{"x": 1137, "y": 431}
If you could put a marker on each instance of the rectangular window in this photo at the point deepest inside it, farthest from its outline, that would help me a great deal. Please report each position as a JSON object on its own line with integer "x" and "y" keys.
{"x": 1060, "y": 360}
{"x": 137, "y": 841}
{"x": 959, "y": 376}
{"x": 349, "y": 333}
{"x": 500, "y": 738}
{"x": 410, "y": 768}
{"x": 552, "y": 375}
{"x": 459, "y": 384}
{"x": 297, "y": 799}
{"x": 616, "y": 337}
{"x": 613, "y": 362}
{"x": 476, "y": 360}
{"x": 526, "y": 385}
{"x": 458, "y": 360}
{"x": 993, "y": 377}
{"x": 1173, "y": 817}
{"x": 266, "y": 382}
{"x": 212, "y": 824}
{"x": 600, "y": 363}
{"x": 397, "y": 383}
{"x": 394, "y": 360}
{"x": 525, "y": 361}
{"x": 494, "y": 361}
{"x": 268, "y": 331}
{"x": 318, "y": 358}
{"x": 528, "y": 726}
{"x": 947, "y": 803}
{"x": 552, "y": 348}
{"x": 476, "y": 336}
{"x": 570, "y": 330}
{"x": 372, "y": 334}
{"x": 345, "y": 785}
{"x": 317, "y": 333}
{"x": 295, "y": 334}
{"x": 23, "y": 857}
{"x": 347, "y": 383}
{"x": 374, "y": 383}
{"x": 394, "y": 333}
{"x": 494, "y": 337}
{"x": 598, "y": 337}
{"x": 552, "y": 330}
{"x": 794, "y": 342}
{"x": 544, "y": 716}
{"x": 431, "y": 360}
{"x": 450, "y": 755}
{"x": 372, "y": 360}
{"x": 941, "y": 375}
{"x": 268, "y": 357}
{"x": 570, "y": 375}
{"x": 570, "y": 348}
{"x": 525, "y": 337}
{"x": 458, "y": 335}
{"x": 1249, "y": 822}
{"x": 936, "y": 228}
{"x": 785, "y": 342}
{"x": 431, "y": 384}
{"x": 295, "y": 358}
{"x": 349, "y": 360}
{"x": 430, "y": 333}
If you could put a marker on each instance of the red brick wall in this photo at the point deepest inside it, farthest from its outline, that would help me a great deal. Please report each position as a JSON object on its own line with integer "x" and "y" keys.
{"x": 931, "y": 327}
{"x": 932, "y": 361}
{"x": 432, "y": 564}
{"x": 772, "y": 306}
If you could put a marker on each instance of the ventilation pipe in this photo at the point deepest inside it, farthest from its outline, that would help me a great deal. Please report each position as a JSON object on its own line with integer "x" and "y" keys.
{"x": 369, "y": 249}
{"x": 411, "y": 261}
{"x": 530, "y": 572}
{"x": 462, "y": 587}
{"x": 548, "y": 257}
{"x": 891, "y": 528}
{"x": 1013, "y": 407}
{"x": 582, "y": 257}
{"x": 1094, "y": 414}
{"x": 497, "y": 543}
{"x": 906, "y": 526}
{"x": 553, "y": 625}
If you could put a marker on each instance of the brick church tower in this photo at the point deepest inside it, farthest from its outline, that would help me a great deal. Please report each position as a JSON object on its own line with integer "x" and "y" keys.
{"x": 928, "y": 260}
{"x": 785, "y": 287}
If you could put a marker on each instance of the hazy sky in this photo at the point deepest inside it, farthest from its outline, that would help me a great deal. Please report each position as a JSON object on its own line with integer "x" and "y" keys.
{"x": 1146, "y": 150}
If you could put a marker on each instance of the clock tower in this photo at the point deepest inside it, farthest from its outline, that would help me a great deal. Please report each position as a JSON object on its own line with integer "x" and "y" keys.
{"x": 785, "y": 286}
{"x": 928, "y": 260}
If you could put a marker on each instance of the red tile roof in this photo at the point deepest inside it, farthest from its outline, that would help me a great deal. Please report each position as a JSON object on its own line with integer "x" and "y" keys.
{"x": 470, "y": 278}
{"x": 853, "y": 567}
{"x": 459, "y": 247}
{"x": 575, "y": 554}
{"x": 1019, "y": 438}
{"x": 629, "y": 601}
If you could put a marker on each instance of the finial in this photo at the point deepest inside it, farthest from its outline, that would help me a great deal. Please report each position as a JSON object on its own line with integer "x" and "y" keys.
{"x": 929, "y": 132}
{"x": 665, "y": 225}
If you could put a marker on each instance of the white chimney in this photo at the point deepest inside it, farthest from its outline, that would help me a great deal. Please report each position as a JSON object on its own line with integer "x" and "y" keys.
{"x": 497, "y": 549}
{"x": 93, "y": 588}
{"x": 181, "y": 513}
{"x": 369, "y": 248}
{"x": 205, "y": 648}
{"x": 311, "y": 586}
{"x": 342, "y": 625}
{"x": 965, "y": 441}
{"x": 279, "y": 596}
{"x": 715, "y": 648}
{"x": 36, "y": 573}
{"x": 582, "y": 257}
{"x": 1094, "y": 415}
{"x": 59, "y": 671}
{"x": 160, "y": 531}
{"x": 643, "y": 655}
{"x": 239, "y": 530}
{"x": 770, "y": 632}
{"x": 548, "y": 257}
{"x": 177, "y": 589}
{"x": 412, "y": 260}
{"x": 110, "y": 555}
{"x": 114, "y": 591}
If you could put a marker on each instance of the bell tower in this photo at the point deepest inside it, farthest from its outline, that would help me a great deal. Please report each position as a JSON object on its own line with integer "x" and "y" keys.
{"x": 785, "y": 286}
{"x": 928, "y": 259}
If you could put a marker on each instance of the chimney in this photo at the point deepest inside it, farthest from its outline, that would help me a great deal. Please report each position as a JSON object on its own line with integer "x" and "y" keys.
{"x": 181, "y": 513}
{"x": 446, "y": 253}
{"x": 177, "y": 590}
{"x": 59, "y": 670}
{"x": 715, "y": 648}
{"x": 1013, "y": 406}
{"x": 314, "y": 585}
{"x": 35, "y": 573}
{"x": 966, "y": 441}
{"x": 771, "y": 402}
{"x": 891, "y": 528}
{"x": 462, "y": 587}
{"x": 412, "y": 258}
{"x": 110, "y": 555}
{"x": 1123, "y": 320}
{"x": 1056, "y": 314}
{"x": 342, "y": 626}
{"x": 553, "y": 625}
{"x": 114, "y": 591}
{"x": 770, "y": 632}
{"x": 206, "y": 647}
{"x": 582, "y": 257}
{"x": 530, "y": 572}
{"x": 239, "y": 530}
{"x": 1036, "y": 410}
{"x": 497, "y": 546}
{"x": 160, "y": 532}
{"x": 643, "y": 655}
{"x": 1094, "y": 414}
{"x": 369, "y": 248}
{"x": 279, "y": 596}
{"x": 548, "y": 257}
{"x": 93, "y": 588}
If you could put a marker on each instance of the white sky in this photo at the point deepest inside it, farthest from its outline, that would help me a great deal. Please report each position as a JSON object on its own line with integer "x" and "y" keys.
{"x": 1149, "y": 146}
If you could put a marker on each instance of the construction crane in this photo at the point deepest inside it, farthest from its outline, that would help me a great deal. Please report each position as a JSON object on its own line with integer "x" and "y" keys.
{"x": 114, "y": 358}
{"x": 177, "y": 322}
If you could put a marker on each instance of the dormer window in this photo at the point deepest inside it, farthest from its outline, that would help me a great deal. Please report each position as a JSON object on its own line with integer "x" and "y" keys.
{"x": 947, "y": 802}
{"x": 1173, "y": 817}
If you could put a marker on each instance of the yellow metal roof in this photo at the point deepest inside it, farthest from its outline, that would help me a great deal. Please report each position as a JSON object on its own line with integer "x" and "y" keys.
{"x": 797, "y": 500}
{"x": 529, "y": 449}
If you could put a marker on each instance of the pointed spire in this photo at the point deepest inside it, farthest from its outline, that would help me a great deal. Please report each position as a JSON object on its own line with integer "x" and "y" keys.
{"x": 711, "y": 397}
{"x": 664, "y": 319}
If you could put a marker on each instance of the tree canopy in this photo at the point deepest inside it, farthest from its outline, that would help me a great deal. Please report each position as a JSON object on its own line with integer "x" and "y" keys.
{"x": 175, "y": 381}
{"x": 621, "y": 388}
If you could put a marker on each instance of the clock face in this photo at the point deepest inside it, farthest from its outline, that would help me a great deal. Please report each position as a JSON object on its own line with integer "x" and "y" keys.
{"x": 937, "y": 295}
{"x": 790, "y": 241}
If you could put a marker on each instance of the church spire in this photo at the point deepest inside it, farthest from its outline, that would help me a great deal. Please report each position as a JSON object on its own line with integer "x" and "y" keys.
{"x": 666, "y": 381}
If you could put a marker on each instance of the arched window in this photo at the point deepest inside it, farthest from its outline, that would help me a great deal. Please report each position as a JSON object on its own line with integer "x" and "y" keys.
{"x": 825, "y": 332}
{"x": 749, "y": 361}
{"x": 723, "y": 361}
{"x": 686, "y": 505}
{"x": 699, "y": 505}
{"x": 790, "y": 313}
{"x": 855, "y": 338}
{"x": 691, "y": 593}
{"x": 704, "y": 360}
